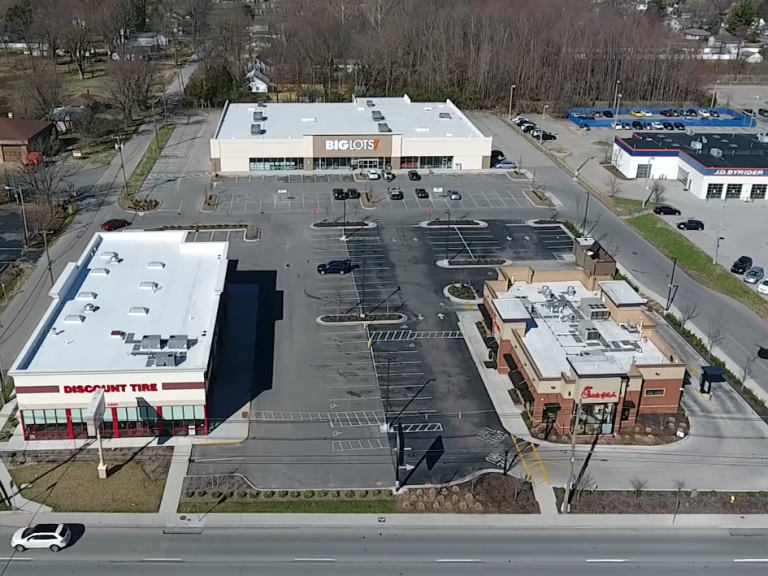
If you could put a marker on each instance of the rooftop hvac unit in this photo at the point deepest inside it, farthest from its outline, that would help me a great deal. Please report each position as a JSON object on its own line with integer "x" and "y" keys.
{"x": 383, "y": 127}
{"x": 703, "y": 139}
{"x": 156, "y": 265}
{"x": 255, "y": 129}
{"x": 258, "y": 116}
{"x": 90, "y": 308}
{"x": 114, "y": 259}
{"x": 716, "y": 152}
{"x": 377, "y": 116}
{"x": 445, "y": 115}
{"x": 762, "y": 137}
{"x": 151, "y": 342}
{"x": 180, "y": 342}
{"x": 167, "y": 359}
{"x": 696, "y": 145}
{"x": 108, "y": 255}
{"x": 261, "y": 105}
{"x": 571, "y": 291}
{"x": 369, "y": 103}
{"x": 591, "y": 334}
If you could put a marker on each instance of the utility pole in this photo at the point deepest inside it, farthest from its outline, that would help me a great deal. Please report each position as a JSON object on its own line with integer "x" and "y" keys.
{"x": 566, "y": 507}
{"x": 362, "y": 299}
{"x": 386, "y": 405}
{"x": 511, "y": 92}
{"x": 23, "y": 211}
{"x": 671, "y": 285}
{"x": 154, "y": 122}
{"x": 586, "y": 210}
{"x": 119, "y": 148}
{"x": 48, "y": 254}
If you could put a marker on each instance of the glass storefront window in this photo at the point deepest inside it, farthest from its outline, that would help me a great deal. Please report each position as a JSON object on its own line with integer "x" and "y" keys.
{"x": 270, "y": 164}
{"x": 595, "y": 419}
{"x": 441, "y": 162}
{"x": 409, "y": 162}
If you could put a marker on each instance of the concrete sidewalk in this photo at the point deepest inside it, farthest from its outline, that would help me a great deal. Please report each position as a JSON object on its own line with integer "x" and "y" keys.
{"x": 174, "y": 482}
{"x": 190, "y": 522}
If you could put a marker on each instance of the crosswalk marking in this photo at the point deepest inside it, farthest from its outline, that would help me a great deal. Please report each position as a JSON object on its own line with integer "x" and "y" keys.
{"x": 347, "y": 445}
{"x": 398, "y": 335}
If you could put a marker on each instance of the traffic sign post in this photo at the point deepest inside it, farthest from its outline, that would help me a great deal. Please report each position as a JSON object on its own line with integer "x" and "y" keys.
{"x": 429, "y": 214}
{"x": 314, "y": 213}
{"x": 93, "y": 419}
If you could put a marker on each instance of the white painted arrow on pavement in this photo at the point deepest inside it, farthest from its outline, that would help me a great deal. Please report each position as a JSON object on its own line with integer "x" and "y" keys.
{"x": 440, "y": 315}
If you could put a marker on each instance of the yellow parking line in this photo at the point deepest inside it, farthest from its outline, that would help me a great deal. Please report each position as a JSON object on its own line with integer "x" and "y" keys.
{"x": 469, "y": 306}
{"x": 541, "y": 464}
{"x": 522, "y": 458}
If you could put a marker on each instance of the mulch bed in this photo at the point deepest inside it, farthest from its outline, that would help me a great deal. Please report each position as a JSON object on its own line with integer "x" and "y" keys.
{"x": 651, "y": 502}
{"x": 649, "y": 429}
{"x": 463, "y": 292}
{"x": 357, "y": 318}
{"x": 488, "y": 494}
{"x": 477, "y": 262}
{"x": 439, "y": 222}
{"x": 341, "y": 224}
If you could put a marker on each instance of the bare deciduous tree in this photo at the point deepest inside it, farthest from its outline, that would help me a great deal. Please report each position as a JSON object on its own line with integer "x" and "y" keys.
{"x": 715, "y": 332}
{"x": 688, "y": 308}
{"x": 76, "y": 40}
{"x": 612, "y": 186}
{"x": 657, "y": 192}
{"x": 40, "y": 92}
{"x": 113, "y": 19}
{"x": 749, "y": 364}
{"x": 129, "y": 85}
{"x": 199, "y": 14}
{"x": 48, "y": 179}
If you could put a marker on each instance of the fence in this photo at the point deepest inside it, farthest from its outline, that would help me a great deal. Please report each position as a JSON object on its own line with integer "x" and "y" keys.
{"x": 734, "y": 118}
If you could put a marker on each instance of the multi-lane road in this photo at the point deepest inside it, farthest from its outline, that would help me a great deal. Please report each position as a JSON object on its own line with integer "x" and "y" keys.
{"x": 426, "y": 552}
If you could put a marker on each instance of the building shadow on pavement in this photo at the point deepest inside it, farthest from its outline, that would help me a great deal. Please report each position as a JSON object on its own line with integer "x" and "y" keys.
{"x": 251, "y": 305}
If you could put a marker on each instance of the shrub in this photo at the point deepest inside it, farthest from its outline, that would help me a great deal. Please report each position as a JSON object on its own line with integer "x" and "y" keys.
{"x": 309, "y": 494}
{"x": 335, "y": 494}
{"x": 189, "y": 493}
{"x": 321, "y": 493}
{"x": 229, "y": 494}
{"x": 282, "y": 493}
{"x": 572, "y": 228}
{"x": 268, "y": 494}
{"x": 215, "y": 494}
{"x": 763, "y": 493}
{"x": 202, "y": 493}
{"x": 242, "y": 494}
{"x": 295, "y": 494}
{"x": 713, "y": 493}
{"x": 349, "y": 494}
{"x": 362, "y": 493}
{"x": 375, "y": 493}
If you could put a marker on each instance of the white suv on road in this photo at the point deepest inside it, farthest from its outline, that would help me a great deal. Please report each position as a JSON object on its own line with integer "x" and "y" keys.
{"x": 51, "y": 536}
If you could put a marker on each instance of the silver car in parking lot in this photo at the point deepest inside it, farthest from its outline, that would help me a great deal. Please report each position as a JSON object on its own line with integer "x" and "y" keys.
{"x": 754, "y": 275}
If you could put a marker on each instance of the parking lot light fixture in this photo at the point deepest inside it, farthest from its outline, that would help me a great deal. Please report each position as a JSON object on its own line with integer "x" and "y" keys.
{"x": 616, "y": 92}
{"x": 541, "y": 131}
{"x": 447, "y": 235}
{"x": 511, "y": 92}
{"x": 618, "y": 102}
{"x": 717, "y": 249}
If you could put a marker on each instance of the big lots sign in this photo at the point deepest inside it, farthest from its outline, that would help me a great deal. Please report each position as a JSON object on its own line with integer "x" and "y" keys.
{"x": 361, "y": 144}
{"x": 587, "y": 393}
{"x": 89, "y": 389}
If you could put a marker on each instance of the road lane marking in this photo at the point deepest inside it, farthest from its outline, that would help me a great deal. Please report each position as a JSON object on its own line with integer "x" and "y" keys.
{"x": 16, "y": 558}
{"x": 750, "y": 559}
{"x": 314, "y": 559}
{"x": 458, "y": 560}
{"x": 612, "y": 560}
{"x": 161, "y": 560}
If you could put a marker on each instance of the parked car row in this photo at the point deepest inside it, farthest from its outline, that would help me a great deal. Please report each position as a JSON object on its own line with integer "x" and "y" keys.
{"x": 530, "y": 128}
{"x": 760, "y": 112}
{"x": 752, "y": 274}
{"x": 690, "y": 113}
{"x": 594, "y": 115}
{"x": 636, "y": 125}
{"x": 349, "y": 193}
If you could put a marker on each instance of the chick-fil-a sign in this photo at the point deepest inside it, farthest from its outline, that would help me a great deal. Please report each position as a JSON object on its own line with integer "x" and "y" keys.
{"x": 587, "y": 394}
{"x": 89, "y": 389}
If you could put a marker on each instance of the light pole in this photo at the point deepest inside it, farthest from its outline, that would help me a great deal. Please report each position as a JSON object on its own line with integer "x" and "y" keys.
{"x": 753, "y": 118}
{"x": 671, "y": 286}
{"x": 541, "y": 130}
{"x": 714, "y": 94}
{"x": 23, "y": 211}
{"x": 647, "y": 176}
{"x": 618, "y": 101}
{"x": 576, "y": 173}
{"x": 119, "y": 148}
{"x": 447, "y": 235}
{"x": 511, "y": 92}
{"x": 616, "y": 92}
{"x": 717, "y": 249}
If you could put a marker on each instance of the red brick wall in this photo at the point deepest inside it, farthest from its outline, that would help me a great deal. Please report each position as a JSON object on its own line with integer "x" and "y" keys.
{"x": 666, "y": 404}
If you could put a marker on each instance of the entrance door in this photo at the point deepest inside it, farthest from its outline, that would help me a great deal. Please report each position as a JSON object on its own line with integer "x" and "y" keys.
{"x": 367, "y": 163}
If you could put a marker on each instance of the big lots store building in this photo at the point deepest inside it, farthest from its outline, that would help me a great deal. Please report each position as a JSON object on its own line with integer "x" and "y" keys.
{"x": 571, "y": 337}
{"x": 136, "y": 316}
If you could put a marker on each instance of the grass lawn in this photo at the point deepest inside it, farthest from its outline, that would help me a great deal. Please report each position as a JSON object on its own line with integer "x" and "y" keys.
{"x": 76, "y": 487}
{"x": 695, "y": 262}
{"x": 146, "y": 163}
{"x": 11, "y": 281}
{"x": 294, "y": 506}
{"x": 628, "y": 206}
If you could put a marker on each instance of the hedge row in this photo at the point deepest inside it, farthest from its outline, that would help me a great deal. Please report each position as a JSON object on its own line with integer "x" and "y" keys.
{"x": 289, "y": 494}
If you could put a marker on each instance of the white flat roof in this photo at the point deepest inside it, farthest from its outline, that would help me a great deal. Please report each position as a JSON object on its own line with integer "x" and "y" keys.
{"x": 621, "y": 293}
{"x": 511, "y": 309}
{"x": 127, "y": 285}
{"x": 556, "y": 340}
{"x": 295, "y": 120}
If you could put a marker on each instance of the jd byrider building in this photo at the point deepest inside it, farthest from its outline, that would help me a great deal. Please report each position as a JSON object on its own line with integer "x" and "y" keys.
{"x": 710, "y": 166}
{"x": 367, "y": 133}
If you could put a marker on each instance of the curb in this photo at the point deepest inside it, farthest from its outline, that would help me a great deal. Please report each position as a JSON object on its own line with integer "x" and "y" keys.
{"x": 363, "y": 321}
{"x": 444, "y": 264}
{"x": 456, "y": 300}
{"x": 425, "y": 224}
{"x": 366, "y": 226}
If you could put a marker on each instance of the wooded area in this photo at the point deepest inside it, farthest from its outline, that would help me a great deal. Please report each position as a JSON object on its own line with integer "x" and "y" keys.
{"x": 570, "y": 52}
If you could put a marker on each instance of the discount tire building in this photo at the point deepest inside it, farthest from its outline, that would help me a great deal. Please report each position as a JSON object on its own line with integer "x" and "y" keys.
{"x": 710, "y": 166}
{"x": 367, "y": 133}
{"x": 136, "y": 316}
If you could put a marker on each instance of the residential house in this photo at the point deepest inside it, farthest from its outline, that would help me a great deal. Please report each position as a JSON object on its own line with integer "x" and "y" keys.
{"x": 258, "y": 83}
{"x": 18, "y": 137}
{"x": 695, "y": 34}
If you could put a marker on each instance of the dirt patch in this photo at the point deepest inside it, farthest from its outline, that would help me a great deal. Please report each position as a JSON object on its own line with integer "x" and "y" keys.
{"x": 667, "y": 502}
{"x": 488, "y": 494}
{"x": 341, "y": 225}
{"x": 438, "y": 222}
{"x": 649, "y": 429}
{"x": 477, "y": 262}
{"x": 539, "y": 198}
{"x": 367, "y": 200}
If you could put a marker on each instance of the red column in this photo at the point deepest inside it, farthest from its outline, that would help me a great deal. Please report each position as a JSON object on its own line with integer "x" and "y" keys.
{"x": 160, "y": 427}
{"x": 23, "y": 428}
{"x": 115, "y": 429}
{"x": 205, "y": 416}
{"x": 70, "y": 429}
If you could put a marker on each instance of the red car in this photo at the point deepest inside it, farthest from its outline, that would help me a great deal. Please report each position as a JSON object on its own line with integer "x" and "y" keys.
{"x": 115, "y": 224}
